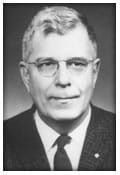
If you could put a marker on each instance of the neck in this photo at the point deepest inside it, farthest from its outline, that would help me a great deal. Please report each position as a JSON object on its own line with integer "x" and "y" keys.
{"x": 64, "y": 126}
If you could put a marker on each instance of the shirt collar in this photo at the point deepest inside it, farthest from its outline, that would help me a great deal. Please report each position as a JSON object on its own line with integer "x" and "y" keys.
{"x": 48, "y": 135}
{"x": 80, "y": 131}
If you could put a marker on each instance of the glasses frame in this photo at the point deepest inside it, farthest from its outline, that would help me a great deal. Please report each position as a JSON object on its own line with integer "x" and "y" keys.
{"x": 36, "y": 64}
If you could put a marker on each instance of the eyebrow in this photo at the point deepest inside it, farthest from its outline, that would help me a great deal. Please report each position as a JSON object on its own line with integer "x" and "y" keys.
{"x": 46, "y": 58}
{"x": 54, "y": 59}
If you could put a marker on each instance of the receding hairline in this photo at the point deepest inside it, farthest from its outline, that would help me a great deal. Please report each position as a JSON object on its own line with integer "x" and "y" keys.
{"x": 46, "y": 17}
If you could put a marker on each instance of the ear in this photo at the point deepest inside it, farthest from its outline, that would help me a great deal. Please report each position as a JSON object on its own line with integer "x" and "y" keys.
{"x": 24, "y": 74}
{"x": 96, "y": 68}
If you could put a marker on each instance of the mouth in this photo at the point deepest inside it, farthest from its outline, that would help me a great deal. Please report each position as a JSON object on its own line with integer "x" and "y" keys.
{"x": 64, "y": 98}
{"x": 63, "y": 102}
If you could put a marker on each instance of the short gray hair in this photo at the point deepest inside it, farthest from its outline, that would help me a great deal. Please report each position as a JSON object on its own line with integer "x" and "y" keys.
{"x": 55, "y": 19}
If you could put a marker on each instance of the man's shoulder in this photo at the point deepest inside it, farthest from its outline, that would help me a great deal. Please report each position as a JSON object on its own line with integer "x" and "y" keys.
{"x": 101, "y": 110}
{"x": 103, "y": 119}
{"x": 19, "y": 121}
{"x": 104, "y": 114}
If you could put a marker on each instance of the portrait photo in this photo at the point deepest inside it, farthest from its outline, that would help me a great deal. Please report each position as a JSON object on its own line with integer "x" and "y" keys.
{"x": 59, "y": 99}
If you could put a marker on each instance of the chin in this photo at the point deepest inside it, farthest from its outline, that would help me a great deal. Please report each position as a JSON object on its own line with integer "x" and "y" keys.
{"x": 65, "y": 115}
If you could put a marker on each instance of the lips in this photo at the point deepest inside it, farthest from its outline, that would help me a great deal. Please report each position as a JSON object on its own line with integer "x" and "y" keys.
{"x": 63, "y": 98}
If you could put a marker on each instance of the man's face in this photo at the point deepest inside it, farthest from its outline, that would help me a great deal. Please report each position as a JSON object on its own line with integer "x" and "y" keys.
{"x": 64, "y": 95}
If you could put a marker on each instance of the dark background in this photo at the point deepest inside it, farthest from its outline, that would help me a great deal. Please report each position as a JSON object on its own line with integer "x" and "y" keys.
{"x": 16, "y": 19}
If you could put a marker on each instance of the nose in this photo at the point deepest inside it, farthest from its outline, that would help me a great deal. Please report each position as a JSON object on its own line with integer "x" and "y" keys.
{"x": 62, "y": 76}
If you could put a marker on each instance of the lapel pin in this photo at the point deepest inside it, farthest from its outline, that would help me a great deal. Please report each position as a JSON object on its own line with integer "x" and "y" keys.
{"x": 96, "y": 155}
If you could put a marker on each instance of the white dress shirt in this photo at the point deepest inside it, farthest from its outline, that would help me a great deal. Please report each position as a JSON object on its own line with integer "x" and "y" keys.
{"x": 74, "y": 149}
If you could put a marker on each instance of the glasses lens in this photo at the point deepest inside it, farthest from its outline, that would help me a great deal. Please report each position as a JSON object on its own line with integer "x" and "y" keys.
{"x": 47, "y": 67}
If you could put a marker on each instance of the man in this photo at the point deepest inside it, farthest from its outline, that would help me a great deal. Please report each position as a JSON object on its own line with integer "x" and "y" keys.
{"x": 62, "y": 130}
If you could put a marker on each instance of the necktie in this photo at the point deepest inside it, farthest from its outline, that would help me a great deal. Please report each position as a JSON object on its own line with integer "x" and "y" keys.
{"x": 61, "y": 160}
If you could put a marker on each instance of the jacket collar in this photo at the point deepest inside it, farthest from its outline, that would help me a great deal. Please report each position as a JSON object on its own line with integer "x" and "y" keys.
{"x": 30, "y": 149}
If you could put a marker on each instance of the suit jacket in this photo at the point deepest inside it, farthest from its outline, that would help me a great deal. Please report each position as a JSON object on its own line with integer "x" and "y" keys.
{"x": 23, "y": 148}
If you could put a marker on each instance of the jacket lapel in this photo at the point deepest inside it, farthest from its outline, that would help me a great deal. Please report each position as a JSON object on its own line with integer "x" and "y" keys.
{"x": 31, "y": 151}
{"x": 95, "y": 147}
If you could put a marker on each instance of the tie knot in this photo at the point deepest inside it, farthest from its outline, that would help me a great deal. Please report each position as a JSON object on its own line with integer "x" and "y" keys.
{"x": 62, "y": 141}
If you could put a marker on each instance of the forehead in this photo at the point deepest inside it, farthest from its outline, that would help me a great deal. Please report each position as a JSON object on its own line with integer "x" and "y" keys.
{"x": 74, "y": 43}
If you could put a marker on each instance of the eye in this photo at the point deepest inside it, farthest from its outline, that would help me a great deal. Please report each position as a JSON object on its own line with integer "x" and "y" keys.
{"x": 77, "y": 63}
{"x": 46, "y": 65}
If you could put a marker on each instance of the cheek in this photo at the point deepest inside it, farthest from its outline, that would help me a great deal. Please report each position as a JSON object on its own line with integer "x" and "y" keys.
{"x": 39, "y": 86}
{"x": 85, "y": 83}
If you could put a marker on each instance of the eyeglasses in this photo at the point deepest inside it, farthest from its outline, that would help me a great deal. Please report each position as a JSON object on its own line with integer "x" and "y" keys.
{"x": 49, "y": 66}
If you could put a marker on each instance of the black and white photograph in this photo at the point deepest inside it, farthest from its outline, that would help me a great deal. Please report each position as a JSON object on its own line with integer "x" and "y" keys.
{"x": 59, "y": 79}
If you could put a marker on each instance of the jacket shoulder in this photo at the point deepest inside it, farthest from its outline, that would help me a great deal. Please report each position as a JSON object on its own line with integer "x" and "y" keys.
{"x": 17, "y": 126}
{"x": 105, "y": 121}
{"x": 102, "y": 114}
{"x": 18, "y": 120}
